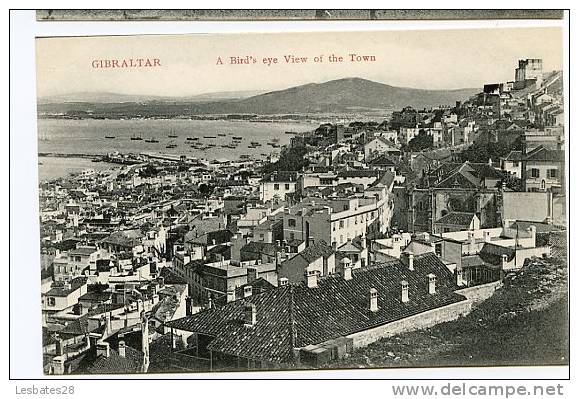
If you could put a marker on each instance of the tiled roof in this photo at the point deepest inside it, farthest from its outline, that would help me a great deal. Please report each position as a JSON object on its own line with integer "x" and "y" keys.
{"x": 472, "y": 261}
{"x": 514, "y": 156}
{"x": 219, "y": 236}
{"x": 76, "y": 327}
{"x": 492, "y": 253}
{"x": 62, "y": 291}
{"x": 121, "y": 238}
{"x": 99, "y": 296}
{"x": 350, "y": 246}
{"x": 296, "y": 316}
{"x": 83, "y": 251}
{"x": 258, "y": 247}
{"x": 383, "y": 160}
{"x": 316, "y": 251}
{"x": 542, "y": 154}
{"x": 358, "y": 173}
{"x": 171, "y": 277}
{"x": 257, "y": 286}
{"x": 540, "y": 227}
{"x": 457, "y": 218}
{"x": 114, "y": 364}
{"x": 281, "y": 177}
{"x": 386, "y": 179}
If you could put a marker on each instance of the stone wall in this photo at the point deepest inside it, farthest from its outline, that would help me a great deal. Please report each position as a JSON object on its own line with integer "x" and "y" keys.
{"x": 416, "y": 322}
{"x": 479, "y": 293}
{"x": 473, "y": 295}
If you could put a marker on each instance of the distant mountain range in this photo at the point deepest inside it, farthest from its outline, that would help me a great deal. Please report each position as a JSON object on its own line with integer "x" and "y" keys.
{"x": 347, "y": 95}
{"x": 103, "y": 97}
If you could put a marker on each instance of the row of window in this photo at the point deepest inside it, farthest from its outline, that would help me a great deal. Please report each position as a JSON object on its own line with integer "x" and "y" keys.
{"x": 551, "y": 173}
{"x": 347, "y": 224}
{"x": 276, "y": 186}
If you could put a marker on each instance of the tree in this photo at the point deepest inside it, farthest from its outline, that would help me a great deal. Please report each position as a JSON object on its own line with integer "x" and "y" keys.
{"x": 421, "y": 142}
{"x": 291, "y": 159}
{"x": 205, "y": 189}
{"x": 481, "y": 152}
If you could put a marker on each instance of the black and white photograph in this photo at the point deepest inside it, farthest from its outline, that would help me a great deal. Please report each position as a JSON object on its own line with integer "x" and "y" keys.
{"x": 302, "y": 201}
{"x": 293, "y": 202}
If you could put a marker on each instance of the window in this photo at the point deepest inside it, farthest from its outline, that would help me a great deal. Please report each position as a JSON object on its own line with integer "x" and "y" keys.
{"x": 552, "y": 173}
{"x": 534, "y": 172}
{"x": 341, "y": 224}
{"x": 51, "y": 301}
{"x": 438, "y": 249}
{"x": 291, "y": 222}
{"x": 287, "y": 186}
{"x": 292, "y": 236}
{"x": 276, "y": 186}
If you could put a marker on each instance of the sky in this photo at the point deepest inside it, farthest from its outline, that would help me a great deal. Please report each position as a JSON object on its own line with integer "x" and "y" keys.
{"x": 425, "y": 59}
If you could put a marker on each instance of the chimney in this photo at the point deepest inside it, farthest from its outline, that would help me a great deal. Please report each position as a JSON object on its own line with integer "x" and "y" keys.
{"x": 504, "y": 261}
{"x": 487, "y": 235}
{"x": 471, "y": 237}
{"x": 103, "y": 349}
{"x": 108, "y": 326}
{"x": 59, "y": 347}
{"x": 346, "y": 269}
{"x": 161, "y": 281}
{"x": 282, "y": 281}
{"x": 230, "y": 295}
{"x": 145, "y": 341}
{"x": 404, "y": 291}
{"x": 249, "y": 315}
{"x": 311, "y": 279}
{"x": 459, "y": 280}
{"x": 57, "y": 365}
{"x": 247, "y": 291}
{"x": 122, "y": 352}
{"x": 431, "y": 284}
{"x": 251, "y": 274}
{"x": 373, "y": 300}
{"x": 408, "y": 260}
{"x": 532, "y": 230}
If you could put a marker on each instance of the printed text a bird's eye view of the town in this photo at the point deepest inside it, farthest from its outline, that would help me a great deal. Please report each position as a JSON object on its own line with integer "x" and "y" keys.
{"x": 302, "y": 201}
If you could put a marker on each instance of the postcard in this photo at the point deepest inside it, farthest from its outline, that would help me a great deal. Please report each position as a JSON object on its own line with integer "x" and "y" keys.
{"x": 302, "y": 201}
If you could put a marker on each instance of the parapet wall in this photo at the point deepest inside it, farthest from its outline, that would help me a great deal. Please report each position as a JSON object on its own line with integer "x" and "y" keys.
{"x": 473, "y": 295}
{"x": 416, "y": 322}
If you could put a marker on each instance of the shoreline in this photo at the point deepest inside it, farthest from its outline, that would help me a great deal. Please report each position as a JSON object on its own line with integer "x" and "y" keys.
{"x": 69, "y": 155}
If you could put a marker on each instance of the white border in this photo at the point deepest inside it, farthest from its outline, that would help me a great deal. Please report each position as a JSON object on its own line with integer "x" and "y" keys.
{"x": 25, "y": 334}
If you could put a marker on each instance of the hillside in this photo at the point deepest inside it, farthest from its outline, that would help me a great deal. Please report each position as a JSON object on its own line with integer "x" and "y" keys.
{"x": 343, "y": 95}
{"x": 336, "y": 96}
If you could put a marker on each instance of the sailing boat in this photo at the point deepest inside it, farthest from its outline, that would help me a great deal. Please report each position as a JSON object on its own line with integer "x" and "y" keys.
{"x": 152, "y": 140}
{"x": 135, "y": 137}
{"x": 171, "y": 145}
{"x": 172, "y": 135}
